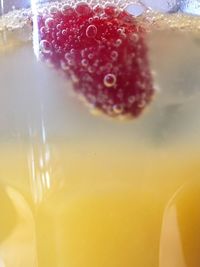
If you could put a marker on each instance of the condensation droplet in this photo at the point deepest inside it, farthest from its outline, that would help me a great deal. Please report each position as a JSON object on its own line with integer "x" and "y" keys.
{"x": 91, "y": 31}
{"x": 45, "y": 46}
{"x": 109, "y": 80}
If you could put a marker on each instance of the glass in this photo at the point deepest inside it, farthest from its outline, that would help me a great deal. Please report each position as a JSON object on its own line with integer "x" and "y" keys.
{"x": 99, "y": 133}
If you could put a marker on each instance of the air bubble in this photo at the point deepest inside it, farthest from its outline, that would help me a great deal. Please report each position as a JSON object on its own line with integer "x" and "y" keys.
{"x": 45, "y": 46}
{"x": 64, "y": 32}
{"x": 131, "y": 99}
{"x": 42, "y": 30}
{"x": 136, "y": 9}
{"x": 118, "y": 109}
{"x": 84, "y": 62}
{"x": 67, "y": 10}
{"x": 67, "y": 56}
{"x": 90, "y": 56}
{"x": 83, "y": 9}
{"x": 109, "y": 80}
{"x": 114, "y": 55}
{"x": 53, "y": 10}
{"x": 118, "y": 42}
{"x": 91, "y": 69}
{"x": 63, "y": 65}
{"x": 49, "y": 23}
{"x": 91, "y": 31}
{"x": 135, "y": 37}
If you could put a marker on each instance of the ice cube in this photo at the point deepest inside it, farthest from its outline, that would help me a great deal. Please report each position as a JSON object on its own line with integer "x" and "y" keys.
{"x": 164, "y": 6}
{"x": 191, "y": 7}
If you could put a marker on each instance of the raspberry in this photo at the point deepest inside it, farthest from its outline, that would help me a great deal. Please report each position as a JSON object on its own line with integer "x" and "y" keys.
{"x": 104, "y": 53}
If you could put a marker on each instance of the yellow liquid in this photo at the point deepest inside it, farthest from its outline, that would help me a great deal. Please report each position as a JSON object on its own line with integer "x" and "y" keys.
{"x": 102, "y": 209}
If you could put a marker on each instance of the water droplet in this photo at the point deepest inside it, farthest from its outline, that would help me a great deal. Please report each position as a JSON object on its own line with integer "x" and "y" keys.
{"x": 109, "y": 80}
{"x": 67, "y": 10}
{"x": 49, "y": 23}
{"x": 45, "y": 46}
{"x": 114, "y": 55}
{"x": 91, "y": 31}
{"x": 84, "y": 62}
{"x": 118, "y": 109}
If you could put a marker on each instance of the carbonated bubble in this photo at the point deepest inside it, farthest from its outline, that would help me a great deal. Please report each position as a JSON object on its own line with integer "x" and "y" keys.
{"x": 67, "y": 10}
{"x": 131, "y": 99}
{"x": 45, "y": 46}
{"x": 49, "y": 22}
{"x": 109, "y": 80}
{"x": 136, "y": 9}
{"x": 118, "y": 109}
{"x": 84, "y": 62}
{"x": 114, "y": 55}
{"x": 118, "y": 42}
{"x": 53, "y": 10}
{"x": 91, "y": 31}
{"x": 83, "y": 9}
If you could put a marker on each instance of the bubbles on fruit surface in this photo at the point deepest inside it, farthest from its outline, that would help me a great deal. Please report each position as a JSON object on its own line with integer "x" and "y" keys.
{"x": 118, "y": 42}
{"x": 84, "y": 62}
{"x": 67, "y": 10}
{"x": 53, "y": 9}
{"x": 91, "y": 31}
{"x": 45, "y": 46}
{"x": 109, "y": 80}
{"x": 114, "y": 55}
{"x": 82, "y": 9}
{"x": 49, "y": 22}
{"x": 118, "y": 109}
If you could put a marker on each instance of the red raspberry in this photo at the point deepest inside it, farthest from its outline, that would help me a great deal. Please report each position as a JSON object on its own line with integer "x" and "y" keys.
{"x": 103, "y": 52}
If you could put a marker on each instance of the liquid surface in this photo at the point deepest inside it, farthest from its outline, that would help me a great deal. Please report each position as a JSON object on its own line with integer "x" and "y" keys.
{"x": 79, "y": 190}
